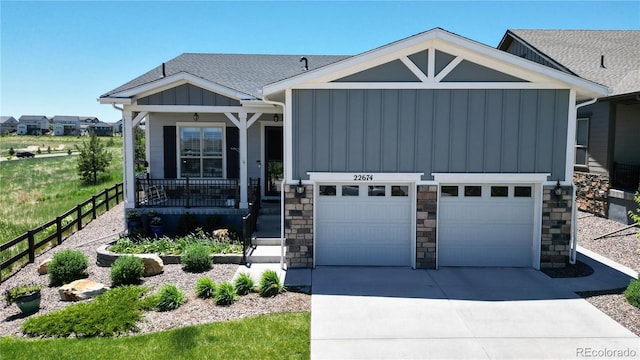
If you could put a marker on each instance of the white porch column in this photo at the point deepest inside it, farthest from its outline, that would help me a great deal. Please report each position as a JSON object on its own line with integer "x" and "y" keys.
{"x": 244, "y": 203}
{"x": 129, "y": 160}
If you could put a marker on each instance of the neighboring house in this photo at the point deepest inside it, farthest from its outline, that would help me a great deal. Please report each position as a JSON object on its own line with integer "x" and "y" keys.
{"x": 8, "y": 124}
{"x": 607, "y": 157}
{"x": 33, "y": 125}
{"x": 117, "y": 127}
{"x": 101, "y": 128}
{"x": 66, "y": 125}
{"x": 434, "y": 150}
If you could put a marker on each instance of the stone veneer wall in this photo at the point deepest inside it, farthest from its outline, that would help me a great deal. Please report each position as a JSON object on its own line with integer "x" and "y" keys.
{"x": 592, "y": 193}
{"x": 298, "y": 227}
{"x": 556, "y": 228}
{"x": 426, "y": 220}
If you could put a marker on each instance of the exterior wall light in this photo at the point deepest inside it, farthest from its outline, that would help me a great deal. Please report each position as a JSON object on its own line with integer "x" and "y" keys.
{"x": 300, "y": 188}
{"x": 557, "y": 191}
{"x": 276, "y": 118}
{"x": 196, "y": 117}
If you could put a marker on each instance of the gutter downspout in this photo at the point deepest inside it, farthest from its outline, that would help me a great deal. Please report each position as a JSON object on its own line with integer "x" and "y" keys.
{"x": 284, "y": 173}
{"x": 574, "y": 210}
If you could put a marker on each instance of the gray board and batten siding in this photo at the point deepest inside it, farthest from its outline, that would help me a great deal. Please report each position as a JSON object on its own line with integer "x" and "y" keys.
{"x": 187, "y": 94}
{"x": 430, "y": 131}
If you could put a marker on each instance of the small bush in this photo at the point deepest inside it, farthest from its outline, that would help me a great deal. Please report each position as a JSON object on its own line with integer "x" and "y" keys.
{"x": 67, "y": 266}
{"x": 632, "y": 294}
{"x": 169, "y": 298}
{"x": 205, "y": 288}
{"x": 113, "y": 312}
{"x": 226, "y": 294}
{"x": 244, "y": 284}
{"x": 127, "y": 270}
{"x": 197, "y": 258}
{"x": 270, "y": 284}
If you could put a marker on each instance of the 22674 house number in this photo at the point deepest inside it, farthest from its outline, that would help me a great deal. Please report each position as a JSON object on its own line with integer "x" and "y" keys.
{"x": 362, "y": 177}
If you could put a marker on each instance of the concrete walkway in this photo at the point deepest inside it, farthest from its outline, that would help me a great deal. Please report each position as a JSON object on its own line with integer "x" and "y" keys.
{"x": 456, "y": 313}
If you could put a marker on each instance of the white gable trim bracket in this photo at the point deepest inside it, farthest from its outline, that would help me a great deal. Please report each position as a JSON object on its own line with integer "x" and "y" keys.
{"x": 533, "y": 75}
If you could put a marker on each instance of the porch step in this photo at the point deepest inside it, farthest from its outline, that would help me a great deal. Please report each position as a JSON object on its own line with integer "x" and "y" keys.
{"x": 266, "y": 241}
{"x": 268, "y": 226}
{"x": 270, "y": 208}
{"x": 264, "y": 255}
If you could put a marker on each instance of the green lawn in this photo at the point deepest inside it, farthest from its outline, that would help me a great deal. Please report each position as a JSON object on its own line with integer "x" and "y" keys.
{"x": 273, "y": 336}
{"x": 37, "y": 190}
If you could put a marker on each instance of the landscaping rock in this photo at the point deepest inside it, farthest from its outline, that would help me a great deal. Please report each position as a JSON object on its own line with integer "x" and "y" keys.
{"x": 81, "y": 290}
{"x": 43, "y": 267}
{"x": 153, "y": 265}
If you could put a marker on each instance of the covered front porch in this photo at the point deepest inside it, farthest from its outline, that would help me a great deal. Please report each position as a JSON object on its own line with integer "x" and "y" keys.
{"x": 203, "y": 149}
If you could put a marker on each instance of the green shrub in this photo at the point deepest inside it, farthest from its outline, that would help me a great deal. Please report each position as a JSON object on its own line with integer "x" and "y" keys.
{"x": 244, "y": 284}
{"x": 169, "y": 298}
{"x": 632, "y": 294}
{"x": 67, "y": 266}
{"x": 113, "y": 312}
{"x": 270, "y": 284}
{"x": 197, "y": 258}
{"x": 126, "y": 270}
{"x": 226, "y": 294}
{"x": 205, "y": 288}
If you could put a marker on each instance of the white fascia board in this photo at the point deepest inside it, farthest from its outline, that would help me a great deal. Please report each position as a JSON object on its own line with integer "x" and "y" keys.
{"x": 482, "y": 178}
{"x": 187, "y": 108}
{"x": 372, "y": 177}
{"x": 432, "y": 85}
{"x": 179, "y": 79}
{"x": 115, "y": 100}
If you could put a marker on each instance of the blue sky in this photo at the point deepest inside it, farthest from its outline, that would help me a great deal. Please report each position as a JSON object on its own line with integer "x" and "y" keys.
{"x": 57, "y": 58}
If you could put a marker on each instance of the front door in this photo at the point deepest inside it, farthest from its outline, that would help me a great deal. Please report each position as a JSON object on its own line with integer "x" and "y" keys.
{"x": 273, "y": 160}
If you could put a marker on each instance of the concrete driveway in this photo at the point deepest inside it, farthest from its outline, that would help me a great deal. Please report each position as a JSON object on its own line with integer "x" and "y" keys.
{"x": 460, "y": 313}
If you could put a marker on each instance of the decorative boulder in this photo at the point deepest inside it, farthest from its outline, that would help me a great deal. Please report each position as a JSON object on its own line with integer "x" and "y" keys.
{"x": 153, "y": 265}
{"x": 43, "y": 267}
{"x": 81, "y": 290}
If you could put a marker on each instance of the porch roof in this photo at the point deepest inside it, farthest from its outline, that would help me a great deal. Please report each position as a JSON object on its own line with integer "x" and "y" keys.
{"x": 245, "y": 73}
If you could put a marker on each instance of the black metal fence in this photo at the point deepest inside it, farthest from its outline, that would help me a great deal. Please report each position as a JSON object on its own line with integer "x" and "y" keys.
{"x": 54, "y": 232}
{"x": 626, "y": 177}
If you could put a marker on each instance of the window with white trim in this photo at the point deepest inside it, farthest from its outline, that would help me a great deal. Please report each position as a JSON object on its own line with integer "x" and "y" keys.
{"x": 201, "y": 151}
{"x": 582, "y": 141}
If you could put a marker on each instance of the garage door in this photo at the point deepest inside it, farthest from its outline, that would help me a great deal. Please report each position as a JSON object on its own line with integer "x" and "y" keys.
{"x": 486, "y": 225}
{"x": 366, "y": 225}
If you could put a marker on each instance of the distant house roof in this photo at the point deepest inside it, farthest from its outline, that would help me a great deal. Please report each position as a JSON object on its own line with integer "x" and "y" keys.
{"x": 33, "y": 118}
{"x": 245, "y": 73}
{"x": 59, "y": 118}
{"x": 7, "y": 119}
{"x": 582, "y": 52}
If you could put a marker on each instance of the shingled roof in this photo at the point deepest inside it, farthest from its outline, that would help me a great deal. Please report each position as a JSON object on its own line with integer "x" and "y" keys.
{"x": 246, "y": 73}
{"x": 580, "y": 52}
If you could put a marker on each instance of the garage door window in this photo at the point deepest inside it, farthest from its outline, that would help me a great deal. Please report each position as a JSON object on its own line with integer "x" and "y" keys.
{"x": 522, "y": 191}
{"x": 399, "y": 191}
{"x": 327, "y": 190}
{"x": 499, "y": 191}
{"x": 473, "y": 191}
{"x": 350, "y": 190}
{"x": 449, "y": 190}
{"x": 376, "y": 190}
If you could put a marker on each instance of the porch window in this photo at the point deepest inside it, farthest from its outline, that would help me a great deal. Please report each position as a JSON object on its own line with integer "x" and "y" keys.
{"x": 582, "y": 141}
{"x": 201, "y": 151}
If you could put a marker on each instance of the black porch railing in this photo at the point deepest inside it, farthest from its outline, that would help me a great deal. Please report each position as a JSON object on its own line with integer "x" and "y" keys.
{"x": 250, "y": 221}
{"x": 626, "y": 177}
{"x": 221, "y": 193}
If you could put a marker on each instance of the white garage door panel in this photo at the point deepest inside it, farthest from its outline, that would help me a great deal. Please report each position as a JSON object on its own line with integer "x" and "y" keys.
{"x": 363, "y": 230}
{"x": 485, "y": 231}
